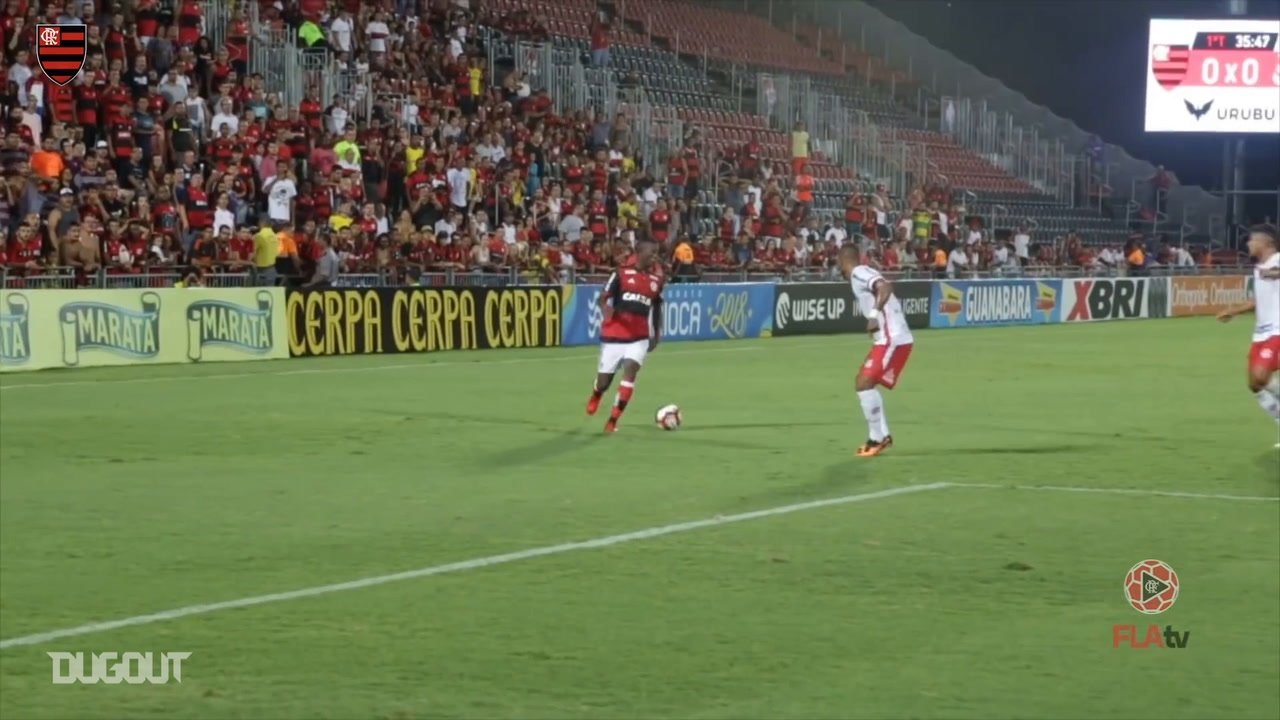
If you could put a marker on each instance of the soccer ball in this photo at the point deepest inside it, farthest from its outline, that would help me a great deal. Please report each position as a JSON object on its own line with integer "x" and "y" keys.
{"x": 668, "y": 417}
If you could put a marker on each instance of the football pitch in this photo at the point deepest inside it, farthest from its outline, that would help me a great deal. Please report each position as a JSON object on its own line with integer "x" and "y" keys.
{"x": 449, "y": 536}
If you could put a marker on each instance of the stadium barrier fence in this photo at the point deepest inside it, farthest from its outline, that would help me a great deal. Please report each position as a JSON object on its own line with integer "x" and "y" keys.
{"x": 382, "y": 320}
{"x": 690, "y": 311}
{"x": 824, "y": 308}
{"x": 44, "y": 328}
{"x": 17, "y": 278}
{"x": 1207, "y": 295}
{"x": 55, "y": 328}
{"x": 360, "y": 321}
{"x": 828, "y": 307}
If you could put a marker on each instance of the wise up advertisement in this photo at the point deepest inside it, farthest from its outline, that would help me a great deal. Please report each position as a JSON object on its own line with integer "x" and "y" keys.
{"x": 42, "y": 329}
{"x": 822, "y": 308}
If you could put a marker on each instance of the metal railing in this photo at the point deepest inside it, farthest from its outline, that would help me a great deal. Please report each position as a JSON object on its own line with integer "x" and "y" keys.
{"x": 68, "y": 278}
{"x": 290, "y": 71}
{"x": 941, "y": 74}
{"x": 657, "y": 131}
{"x": 1022, "y": 152}
{"x": 217, "y": 16}
{"x": 845, "y": 135}
{"x": 63, "y": 279}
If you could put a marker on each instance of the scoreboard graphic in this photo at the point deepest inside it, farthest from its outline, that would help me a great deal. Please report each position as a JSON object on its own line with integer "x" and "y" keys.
{"x": 1213, "y": 76}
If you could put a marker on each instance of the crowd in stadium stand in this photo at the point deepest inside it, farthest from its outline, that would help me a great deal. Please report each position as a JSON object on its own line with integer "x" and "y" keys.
{"x": 166, "y": 153}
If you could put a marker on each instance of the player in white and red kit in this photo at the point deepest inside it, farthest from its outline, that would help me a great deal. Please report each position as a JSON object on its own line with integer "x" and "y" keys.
{"x": 890, "y": 349}
{"x": 632, "y": 306}
{"x": 1264, "y": 353}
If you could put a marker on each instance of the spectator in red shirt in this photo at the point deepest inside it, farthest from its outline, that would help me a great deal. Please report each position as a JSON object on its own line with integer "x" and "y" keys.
{"x": 600, "y": 41}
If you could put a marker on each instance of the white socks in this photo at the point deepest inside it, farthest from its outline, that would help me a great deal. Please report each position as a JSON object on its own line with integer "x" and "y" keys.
{"x": 1268, "y": 400}
{"x": 873, "y": 411}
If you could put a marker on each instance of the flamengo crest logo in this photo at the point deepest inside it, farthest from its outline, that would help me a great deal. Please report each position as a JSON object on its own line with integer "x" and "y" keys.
{"x": 61, "y": 51}
{"x": 1169, "y": 64}
{"x": 1151, "y": 587}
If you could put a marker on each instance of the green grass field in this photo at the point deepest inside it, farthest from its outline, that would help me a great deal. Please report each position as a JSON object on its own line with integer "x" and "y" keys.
{"x": 125, "y": 492}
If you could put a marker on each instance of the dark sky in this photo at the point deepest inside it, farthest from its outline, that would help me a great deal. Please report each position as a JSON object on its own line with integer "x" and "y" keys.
{"x": 1085, "y": 60}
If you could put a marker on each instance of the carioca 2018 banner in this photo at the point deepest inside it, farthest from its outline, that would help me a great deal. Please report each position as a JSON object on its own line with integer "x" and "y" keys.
{"x": 690, "y": 312}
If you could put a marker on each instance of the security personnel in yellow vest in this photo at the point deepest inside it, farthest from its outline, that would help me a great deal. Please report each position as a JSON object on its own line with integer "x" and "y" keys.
{"x": 266, "y": 248}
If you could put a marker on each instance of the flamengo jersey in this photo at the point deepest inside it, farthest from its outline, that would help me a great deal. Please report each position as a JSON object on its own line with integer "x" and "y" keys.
{"x": 634, "y": 295}
{"x": 893, "y": 325}
{"x": 1266, "y": 298}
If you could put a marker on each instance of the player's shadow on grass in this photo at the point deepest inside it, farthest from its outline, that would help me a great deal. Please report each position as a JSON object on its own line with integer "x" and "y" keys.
{"x": 478, "y": 419}
{"x": 851, "y": 475}
{"x": 1128, "y": 435}
{"x": 1269, "y": 461}
{"x": 1059, "y": 449}
{"x": 563, "y": 442}
{"x": 559, "y": 444}
{"x": 634, "y": 428}
{"x": 700, "y": 428}
{"x": 835, "y": 480}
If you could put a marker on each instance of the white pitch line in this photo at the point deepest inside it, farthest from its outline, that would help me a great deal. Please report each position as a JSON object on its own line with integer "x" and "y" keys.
{"x": 474, "y": 564}
{"x": 327, "y": 371}
{"x": 1119, "y": 491}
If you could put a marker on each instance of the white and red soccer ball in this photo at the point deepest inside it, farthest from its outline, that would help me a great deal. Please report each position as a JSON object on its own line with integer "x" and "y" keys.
{"x": 1151, "y": 587}
{"x": 668, "y": 417}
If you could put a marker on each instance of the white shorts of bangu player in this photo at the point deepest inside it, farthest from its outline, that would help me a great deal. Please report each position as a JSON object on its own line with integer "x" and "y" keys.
{"x": 612, "y": 354}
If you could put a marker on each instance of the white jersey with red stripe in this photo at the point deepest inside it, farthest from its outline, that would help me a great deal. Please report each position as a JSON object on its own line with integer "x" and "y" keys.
{"x": 893, "y": 323}
{"x": 1266, "y": 298}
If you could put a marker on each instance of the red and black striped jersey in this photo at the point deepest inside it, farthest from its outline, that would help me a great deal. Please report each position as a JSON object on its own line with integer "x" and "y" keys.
{"x": 660, "y": 225}
{"x": 636, "y": 298}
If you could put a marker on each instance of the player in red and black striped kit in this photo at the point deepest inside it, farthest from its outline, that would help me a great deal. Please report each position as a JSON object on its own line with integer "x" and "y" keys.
{"x": 632, "y": 306}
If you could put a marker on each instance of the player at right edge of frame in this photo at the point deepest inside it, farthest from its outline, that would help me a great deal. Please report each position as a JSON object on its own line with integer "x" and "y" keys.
{"x": 890, "y": 349}
{"x": 1264, "y": 352}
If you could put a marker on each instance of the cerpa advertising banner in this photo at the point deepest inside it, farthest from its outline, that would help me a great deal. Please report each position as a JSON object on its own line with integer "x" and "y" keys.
{"x": 827, "y": 308}
{"x": 969, "y": 303}
{"x": 690, "y": 312}
{"x": 365, "y": 321}
{"x": 1091, "y": 299}
{"x": 87, "y": 328}
{"x": 1208, "y": 295}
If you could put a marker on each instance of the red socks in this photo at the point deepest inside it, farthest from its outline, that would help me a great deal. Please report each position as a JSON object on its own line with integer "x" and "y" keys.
{"x": 624, "y": 396}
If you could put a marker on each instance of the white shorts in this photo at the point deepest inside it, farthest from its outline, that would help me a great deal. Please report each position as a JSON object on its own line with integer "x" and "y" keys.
{"x": 612, "y": 354}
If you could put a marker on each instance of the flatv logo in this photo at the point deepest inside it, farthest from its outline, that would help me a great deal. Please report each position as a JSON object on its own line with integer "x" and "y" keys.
{"x": 1151, "y": 587}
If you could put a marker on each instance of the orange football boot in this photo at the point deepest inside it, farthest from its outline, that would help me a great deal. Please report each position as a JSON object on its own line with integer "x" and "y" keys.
{"x": 872, "y": 448}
